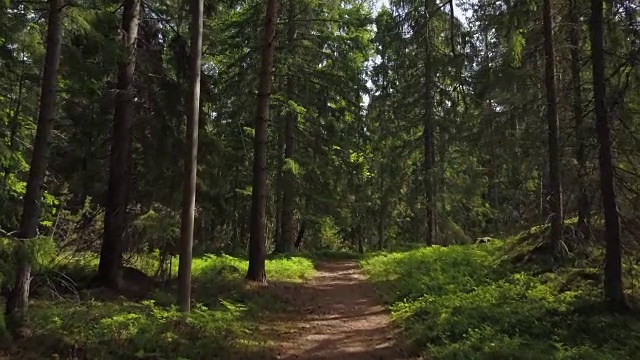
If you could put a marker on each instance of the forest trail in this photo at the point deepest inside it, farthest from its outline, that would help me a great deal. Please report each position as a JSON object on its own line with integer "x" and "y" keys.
{"x": 335, "y": 315}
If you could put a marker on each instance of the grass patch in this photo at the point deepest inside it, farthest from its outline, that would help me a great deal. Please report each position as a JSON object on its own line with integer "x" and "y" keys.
{"x": 95, "y": 324}
{"x": 465, "y": 302}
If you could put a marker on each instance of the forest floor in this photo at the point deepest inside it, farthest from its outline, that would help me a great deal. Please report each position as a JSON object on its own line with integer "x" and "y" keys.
{"x": 501, "y": 300}
{"x": 334, "y": 315}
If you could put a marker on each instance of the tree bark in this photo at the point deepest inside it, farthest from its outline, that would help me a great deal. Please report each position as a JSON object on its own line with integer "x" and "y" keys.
{"x": 277, "y": 236}
{"x": 300, "y": 236}
{"x": 613, "y": 290}
{"x": 382, "y": 211}
{"x": 428, "y": 137}
{"x": 256, "y": 271}
{"x": 583, "y": 202}
{"x": 120, "y": 157}
{"x": 555, "y": 185}
{"x": 191, "y": 160}
{"x": 17, "y": 304}
{"x": 287, "y": 232}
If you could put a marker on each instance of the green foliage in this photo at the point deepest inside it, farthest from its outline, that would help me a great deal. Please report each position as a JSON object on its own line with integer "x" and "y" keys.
{"x": 158, "y": 226}
{"x": 517, "y": 44}
{"x": 292, "y": 166}
{"x": 443, "y": 270}
{"x": 12, "y": 191}
{"x": 110, "y": 330}
{"x": 209, "y": 267}
{"x": 329, "y": 254}
{"x": 41, "y": 252}
{"x": 222, "y": 322}
{"x": 6, "y": 261}
{"x": 461, "y": 302}
{"x": 328, "y": 235}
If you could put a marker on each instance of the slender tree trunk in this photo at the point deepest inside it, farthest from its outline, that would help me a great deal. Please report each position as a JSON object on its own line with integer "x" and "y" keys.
{"x": 578, "y": 116}
{"x": 541, "y": 177}
{"x": 237, "y": 225}
{"x": 300, "y": 236}
{"x": 277, "y": 237}
{"x": 256, "y": 271}
{"x": 191, "y": 160}
{"x": 287, "y": 232}
{"x": 442, "y": 183}
{"x": 613, "y": 290}
{"x": 382, "y": 211}
{"x": 555, "y": 185}
{"x": 428, "y": 137}
{"x": 18, "y": 301}
{"x": 120, "y": 157}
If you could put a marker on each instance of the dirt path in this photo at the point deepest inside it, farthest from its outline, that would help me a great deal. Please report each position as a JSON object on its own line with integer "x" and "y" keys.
{"x": 336, "y": 315}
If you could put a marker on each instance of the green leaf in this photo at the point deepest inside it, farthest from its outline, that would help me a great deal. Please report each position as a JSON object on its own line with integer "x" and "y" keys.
{"x": 292, "y": 166}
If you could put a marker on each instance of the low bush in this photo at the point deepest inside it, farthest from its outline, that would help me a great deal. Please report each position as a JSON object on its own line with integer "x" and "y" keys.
{"x": 328, "y": 254}
{"x": 97, "y": 324}
{"x": 122, "y": 329}
{"x": 462, "y": 302}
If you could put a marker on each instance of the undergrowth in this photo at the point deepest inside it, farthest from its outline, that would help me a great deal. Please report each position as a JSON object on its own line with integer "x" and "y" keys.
{"x": 328, "y": 254}
{"x": 472, "y": 302}
{"x": 96, "y": 324}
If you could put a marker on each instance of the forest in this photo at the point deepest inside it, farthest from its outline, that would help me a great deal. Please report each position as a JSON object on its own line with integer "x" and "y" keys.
{"x": 319, "y": 179}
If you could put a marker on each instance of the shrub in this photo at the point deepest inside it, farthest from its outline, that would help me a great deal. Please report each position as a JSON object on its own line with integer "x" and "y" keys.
{"x": 105, "y": 326}
{"x": 328, "y": 235}
{"x": 461, "y": 302}
{"x": 41, "y": 252}
{"x": 105, "y": 330}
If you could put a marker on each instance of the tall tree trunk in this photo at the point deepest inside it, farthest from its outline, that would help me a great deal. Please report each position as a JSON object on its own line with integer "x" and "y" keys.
{"x": 613, "y": 290}
{"x": 256, "y": 271}
{"x": 236, "y": 225}
{"x": 277, "y": 236}
{"x": 382, "y": 211}
{"x": 17, "y": 304}
{"x": 428, "y": 136}
{"x": 287, "y": 232}
{"x": 120, "y": 157}
{"x": 191, "y": 160}
{"x": 300, "y": 236}
{"x": 442, "y": 183}
{"x": 555, "y": 185}
{"x": 578, "y": 116}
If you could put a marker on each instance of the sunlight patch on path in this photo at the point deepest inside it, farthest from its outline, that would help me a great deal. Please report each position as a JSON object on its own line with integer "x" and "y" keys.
{"x": 336, "y": 315}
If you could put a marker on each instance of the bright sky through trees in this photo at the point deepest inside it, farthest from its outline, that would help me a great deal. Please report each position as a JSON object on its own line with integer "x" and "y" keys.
{"x": 462, "y": 15}
{"x": 459, "y": 13}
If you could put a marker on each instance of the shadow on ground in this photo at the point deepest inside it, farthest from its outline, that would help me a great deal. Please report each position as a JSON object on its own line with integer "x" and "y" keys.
{"x": 336, "y": 315}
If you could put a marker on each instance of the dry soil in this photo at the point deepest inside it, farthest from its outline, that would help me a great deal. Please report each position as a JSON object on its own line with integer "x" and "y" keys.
{"x": 335, "y": 315}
